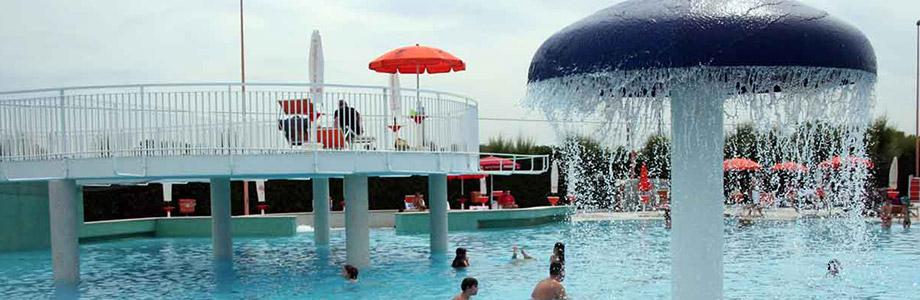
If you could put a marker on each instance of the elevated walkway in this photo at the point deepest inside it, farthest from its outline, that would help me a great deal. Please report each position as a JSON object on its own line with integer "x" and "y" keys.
{"x": 262, "y": 130}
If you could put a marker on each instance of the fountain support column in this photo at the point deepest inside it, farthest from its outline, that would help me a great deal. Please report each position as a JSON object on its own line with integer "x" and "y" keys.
{"x": 357, "y": 232}
{"x": 221, "y": 240}
{"x": 65, "y": 248}
{"x": 437, "y": 212}
{"x": 321, "y": 211}
{"x": 696, "y": 189}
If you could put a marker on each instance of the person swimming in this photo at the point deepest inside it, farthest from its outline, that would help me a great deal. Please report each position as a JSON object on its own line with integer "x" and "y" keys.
{"x": 350, "y": 273}
{"x": 461, "y": 260}
{"x": 550, "y": 288}
{"x": 469, "y": 287}
{"x": 514, "y": 254}
{"x": 833, "y": 267}
{"x": 745, "y": 222}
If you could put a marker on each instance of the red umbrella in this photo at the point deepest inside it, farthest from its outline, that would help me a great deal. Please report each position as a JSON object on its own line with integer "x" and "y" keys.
{"x": 740, "y": 164}
{"x": 836, "y": 162}
{"x": 417, "y": 60}
{"x": 644, "y": 184}
{"x": 492, "y": 163}
{"x": 789, "y": 166}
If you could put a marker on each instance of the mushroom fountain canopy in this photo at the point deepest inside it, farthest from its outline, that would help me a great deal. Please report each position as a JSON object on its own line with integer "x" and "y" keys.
{"x": 643, "y": 49}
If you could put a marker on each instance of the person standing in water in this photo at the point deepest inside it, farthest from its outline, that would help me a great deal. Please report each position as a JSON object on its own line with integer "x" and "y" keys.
{"x": 468, "y": 288}
{"x": 550, "y": 288}
{"x": 461, "y": 261}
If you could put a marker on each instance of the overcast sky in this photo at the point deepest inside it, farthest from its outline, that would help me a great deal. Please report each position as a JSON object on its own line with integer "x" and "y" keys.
{"x": 49, "y": 43}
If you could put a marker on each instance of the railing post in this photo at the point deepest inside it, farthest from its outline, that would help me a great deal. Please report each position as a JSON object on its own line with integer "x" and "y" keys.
{"x": 386, "y": 119}
{"x": 243, "y": 117}
{"x": 62, "y": 128}
{"x": 143, "y": 118}
{"x": 441, "y": 110}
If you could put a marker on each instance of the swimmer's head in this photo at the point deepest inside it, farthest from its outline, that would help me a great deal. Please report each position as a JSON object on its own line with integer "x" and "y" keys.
{"x": 350, "y": 272}
{"x": 470, "y": 286}
{"x": 461, "y": 252}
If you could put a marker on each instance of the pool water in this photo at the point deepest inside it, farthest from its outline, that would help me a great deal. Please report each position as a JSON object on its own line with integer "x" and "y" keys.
{"x": 604, "y": 260}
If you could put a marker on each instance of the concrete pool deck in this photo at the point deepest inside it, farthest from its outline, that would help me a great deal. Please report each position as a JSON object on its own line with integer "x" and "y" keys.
{"x": 186, "y": 227}
{"x": 464, "y": 220}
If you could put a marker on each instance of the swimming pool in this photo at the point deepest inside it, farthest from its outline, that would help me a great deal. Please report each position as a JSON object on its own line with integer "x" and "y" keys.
{"x": 605, "y": 260}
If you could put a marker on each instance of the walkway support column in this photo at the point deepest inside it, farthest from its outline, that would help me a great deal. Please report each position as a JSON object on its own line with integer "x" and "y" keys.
{"x": 220, "y": 219}
{"x": 696, "y": 190}
{"x": 357, "y": 233}
{"x": 321, "y": 211}
{"x": 437, "y": 203}
{"x": 65, "y": 248}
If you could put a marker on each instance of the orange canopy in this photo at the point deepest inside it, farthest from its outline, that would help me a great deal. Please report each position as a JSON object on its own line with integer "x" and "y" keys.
{"x": 740, "y": 164}
{"x": 492, "y": 163}
{"x": 836, "y": 162}
{"x": 416, "y": 60}
{"x": 789, "y": 166}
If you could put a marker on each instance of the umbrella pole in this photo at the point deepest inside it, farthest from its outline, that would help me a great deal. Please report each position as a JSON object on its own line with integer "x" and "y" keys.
{"x": 418, "y": 103}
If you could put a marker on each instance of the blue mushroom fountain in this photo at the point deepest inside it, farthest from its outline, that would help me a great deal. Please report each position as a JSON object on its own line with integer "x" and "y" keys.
{"x": 699, "y": 56}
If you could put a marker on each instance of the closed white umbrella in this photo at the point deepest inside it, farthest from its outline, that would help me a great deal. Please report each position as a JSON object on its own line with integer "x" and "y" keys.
{"x": 167, "y": 191}
{"x": 395, "y": 95}
{"x": 395, "y": 98}
{"x": 316, "y": 65}
{"x": 260, "y": 190}
{"x": 893, "y": 174}
{"x": 315, "y": 68}
{"x": 554, "y": 178}
{"x": 167, "y": 196}
{"x": 260, "y": 194}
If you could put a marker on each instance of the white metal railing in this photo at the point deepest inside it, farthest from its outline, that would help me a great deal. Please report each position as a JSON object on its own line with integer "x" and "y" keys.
{"x": 222, "y": 119}
{"x": 515, "y": 164}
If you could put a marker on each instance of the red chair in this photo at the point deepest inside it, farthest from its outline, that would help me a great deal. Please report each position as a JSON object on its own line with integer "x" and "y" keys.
{"x": 553, "y": 200}
{"x": 409, "y": 201}
{"x": 303, "y": 107}
{"x": 331, "y": 138}
{"x": 481, "y": 200}
{"x": 168, "y": 209}
{"x": 506, "y": 200}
